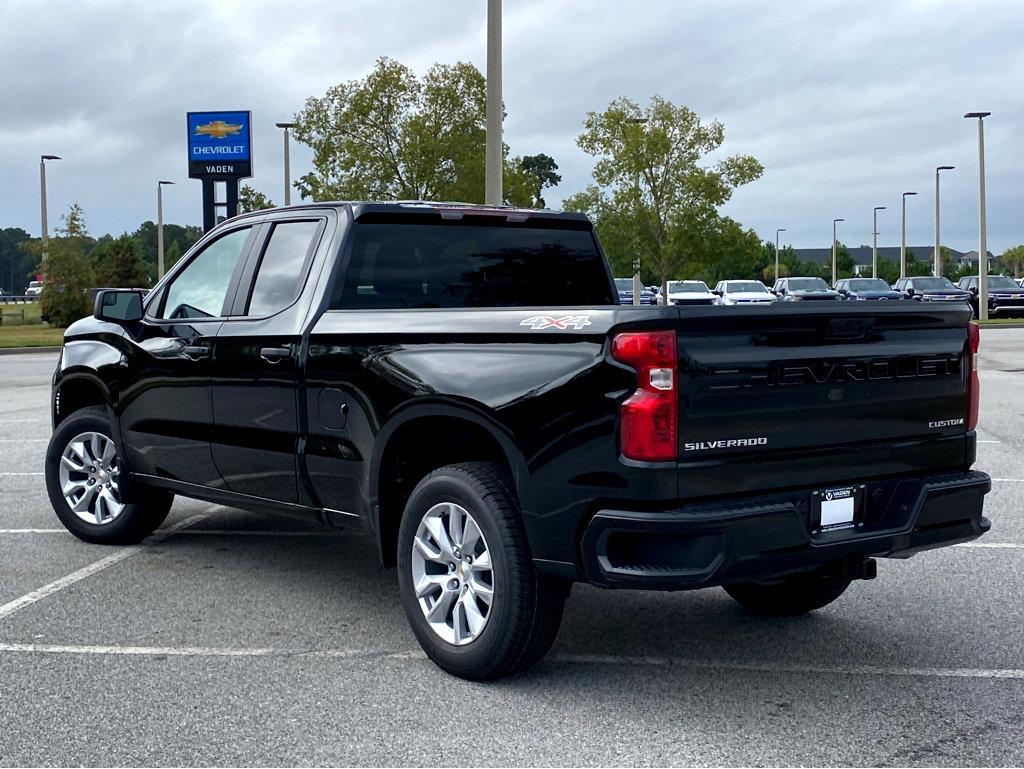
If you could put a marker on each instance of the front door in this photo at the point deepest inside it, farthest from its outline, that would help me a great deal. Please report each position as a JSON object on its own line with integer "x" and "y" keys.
{"x": 166, "y": 411}
{"x": 255, "y": 365}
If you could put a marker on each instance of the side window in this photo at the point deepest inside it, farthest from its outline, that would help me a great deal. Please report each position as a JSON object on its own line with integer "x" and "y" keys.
{"x": 198, "y": 291}
{"x": 279, "y": 275}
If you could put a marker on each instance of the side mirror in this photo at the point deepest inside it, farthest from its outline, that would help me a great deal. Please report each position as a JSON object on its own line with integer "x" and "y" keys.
{"x": 716, "y": 292}
{"x": 910, "y": 290}
{"x": 974, "y": 289}
{"x": 118, "y": 305}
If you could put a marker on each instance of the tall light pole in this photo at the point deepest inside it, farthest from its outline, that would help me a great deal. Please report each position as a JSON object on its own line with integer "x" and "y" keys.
{"x": 493, "y": 194}
{"x": 874, "y": 240}
{"x": 834, "y": 222}
{"x": 781, "y": 229}
{"x": 638, "y": 121}
{"x": 287, "y": 163}
{"x": 937, "y": 266}
{"x": 44, "y": 227}
{"x": 982, "y": 246}
{"x": 903, "y": 236}
{"x": 160, "y": 227}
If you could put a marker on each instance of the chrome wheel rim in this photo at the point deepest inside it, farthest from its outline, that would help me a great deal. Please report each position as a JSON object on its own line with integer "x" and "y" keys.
{"x": 451, "y": 574}
{"x": 90, "y": 478}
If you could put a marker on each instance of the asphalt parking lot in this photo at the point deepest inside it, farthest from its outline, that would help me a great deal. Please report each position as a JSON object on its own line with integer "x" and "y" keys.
{"x": 237, "y": 639}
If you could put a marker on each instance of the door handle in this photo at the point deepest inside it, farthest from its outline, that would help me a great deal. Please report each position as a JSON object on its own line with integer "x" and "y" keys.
{"x": 275, "y": 354}
{"x": 196, "y": 351}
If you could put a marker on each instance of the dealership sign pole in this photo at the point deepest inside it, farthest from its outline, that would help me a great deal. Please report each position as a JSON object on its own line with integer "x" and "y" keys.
{"x": 219, "y": 150}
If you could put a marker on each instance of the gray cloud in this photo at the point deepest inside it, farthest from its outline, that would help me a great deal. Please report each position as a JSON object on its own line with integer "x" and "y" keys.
{"x": 846, "y": 105}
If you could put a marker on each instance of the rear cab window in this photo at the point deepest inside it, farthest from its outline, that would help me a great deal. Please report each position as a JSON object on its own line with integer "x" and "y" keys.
{"x": 428, "y": 262}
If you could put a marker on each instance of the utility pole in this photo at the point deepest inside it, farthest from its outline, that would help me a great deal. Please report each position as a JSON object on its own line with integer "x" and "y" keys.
{"x": 937, "y": 266}
{"x": 781, "y": 229}
{"x": 874, "y": 240}
{"x": 834, "y": 222}
{"x": 493, "y": 160}
{"x": 44, "y": 227}
{"x": 287, "y": 163}
{"x": 160, "y": 227}
{"x": 982, "y": 247}
{"x": 903, "y": 236}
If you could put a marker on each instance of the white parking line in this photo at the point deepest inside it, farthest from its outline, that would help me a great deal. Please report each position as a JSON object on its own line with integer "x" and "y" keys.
{"x": 989, "y": 441}
{"x": 22, "y": 473}
{"x": 210, "y": 532}
{"x": 87, "y": 571}
{"x": 996, "y": 545}
{"x": 28, "y": 440}
{"x": 572, "y": 659}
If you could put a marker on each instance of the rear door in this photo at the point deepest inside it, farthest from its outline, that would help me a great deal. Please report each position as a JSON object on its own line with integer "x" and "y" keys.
{"x": 789, "y": 395}
{"x": 166, "y": 411}
{"x": 255, "y": 366}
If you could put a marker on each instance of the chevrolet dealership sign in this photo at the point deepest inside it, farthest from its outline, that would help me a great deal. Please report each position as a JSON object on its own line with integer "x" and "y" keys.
{"x": 219, "y": 145}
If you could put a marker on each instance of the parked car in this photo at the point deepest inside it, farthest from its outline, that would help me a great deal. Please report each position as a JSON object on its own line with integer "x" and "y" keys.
{"x": 733, "y": 292}
{"x": 35, "y": 288}
{"x": 625, "y": 288}
{"x": 415, "y": 371}
{"x": 803, "y": 289}
{"x": 931, "y": 289}
{"x": 867, "y": 289}
{"x": 1005, "y": 295}
{"x": 687, "y": 292}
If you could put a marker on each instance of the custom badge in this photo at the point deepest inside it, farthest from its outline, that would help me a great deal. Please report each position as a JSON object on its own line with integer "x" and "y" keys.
{"x": 540, "y": 322}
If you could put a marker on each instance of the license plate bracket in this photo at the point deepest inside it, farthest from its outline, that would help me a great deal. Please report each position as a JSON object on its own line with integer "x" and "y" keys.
{"x": 837, "y": 509}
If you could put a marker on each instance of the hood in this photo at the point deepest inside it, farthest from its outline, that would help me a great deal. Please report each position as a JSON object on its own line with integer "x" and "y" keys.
{"x": 807, "y": 294}
{"x": 748, "y": 295}
{"x": 877, "y": 294}
{"x": 692, "y": 295}
{"x": 944, "y": 292}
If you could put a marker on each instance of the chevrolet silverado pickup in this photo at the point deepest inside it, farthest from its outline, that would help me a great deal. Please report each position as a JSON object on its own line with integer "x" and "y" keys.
{"x": 461, "y": 383}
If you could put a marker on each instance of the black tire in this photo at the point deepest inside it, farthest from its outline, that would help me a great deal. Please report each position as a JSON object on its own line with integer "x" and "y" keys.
{"x": 144, "y": 509}
{"x": 526, "y": 611}
{"x": 790, "y": 596}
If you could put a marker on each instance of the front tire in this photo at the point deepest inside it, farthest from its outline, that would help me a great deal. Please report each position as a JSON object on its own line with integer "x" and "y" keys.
{"x": 789, "y": 596}
{"x": 87, "y": 489}
{"x": 468, "y": 585}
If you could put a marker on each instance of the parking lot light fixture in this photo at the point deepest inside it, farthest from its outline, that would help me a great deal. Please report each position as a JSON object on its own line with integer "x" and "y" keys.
{"x": 286, "y": 127}
{"x": 982, "y": 235}
{"x": 903, "y": 236}
{"x": 43, "y": 226}
{"x": 937, "y": 266}
{"x": 160, "y": 227}
{"x": 874, "y": 240}
{"x": 780, "y": 229}
{"x": 834, "y": 223}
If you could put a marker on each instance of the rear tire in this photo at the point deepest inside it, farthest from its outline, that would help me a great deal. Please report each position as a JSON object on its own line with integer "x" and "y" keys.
{"x": 469, "y": 511}
{"x": 87, "y": 490}
{"x": 790, "y": 596}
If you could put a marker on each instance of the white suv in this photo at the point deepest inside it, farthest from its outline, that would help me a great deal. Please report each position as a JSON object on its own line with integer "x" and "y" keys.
{"x": 734, "y": 292}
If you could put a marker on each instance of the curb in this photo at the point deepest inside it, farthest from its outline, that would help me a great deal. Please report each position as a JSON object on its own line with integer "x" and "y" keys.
{"x": 1000, "y": 325}
{"x": 26, "y": 350}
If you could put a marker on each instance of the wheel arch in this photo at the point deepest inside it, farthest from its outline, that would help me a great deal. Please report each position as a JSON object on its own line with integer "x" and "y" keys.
{"x": 77, "y": 389}
{"x": 457, "y": 433}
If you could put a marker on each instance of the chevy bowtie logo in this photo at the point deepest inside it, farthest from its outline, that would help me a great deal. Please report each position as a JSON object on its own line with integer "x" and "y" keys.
{"x": 218, "y": 129}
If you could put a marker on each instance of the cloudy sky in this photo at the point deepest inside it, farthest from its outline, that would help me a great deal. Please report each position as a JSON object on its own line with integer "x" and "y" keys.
{"x": 847, "y": 104}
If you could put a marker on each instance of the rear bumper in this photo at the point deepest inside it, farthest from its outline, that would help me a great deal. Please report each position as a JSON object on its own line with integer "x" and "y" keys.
{"x": 758, "y": 538}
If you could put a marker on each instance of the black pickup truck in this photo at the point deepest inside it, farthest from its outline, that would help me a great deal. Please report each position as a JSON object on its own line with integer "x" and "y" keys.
{"x": 462, "y": 383}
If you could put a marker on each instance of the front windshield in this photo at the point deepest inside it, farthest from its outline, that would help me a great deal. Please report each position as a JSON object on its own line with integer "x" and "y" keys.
{"x": 624, "y": 284}
{"x": 869, "y": 284}
{"x": 687, "y": 287}
{"x": 1001, "y": 281}
{"x": 745, "y": 287}
{"x": 807, "y": 284}
{"x": 931, "y": 284}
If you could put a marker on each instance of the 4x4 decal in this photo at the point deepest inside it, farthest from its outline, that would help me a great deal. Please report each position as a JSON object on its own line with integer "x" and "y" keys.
{"x": 538, "y": 322}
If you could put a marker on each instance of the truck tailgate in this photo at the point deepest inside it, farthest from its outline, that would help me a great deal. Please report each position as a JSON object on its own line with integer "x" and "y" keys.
{"x": 793, "y": 395}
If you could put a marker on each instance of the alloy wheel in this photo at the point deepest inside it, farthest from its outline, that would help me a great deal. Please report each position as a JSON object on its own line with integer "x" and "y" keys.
{"x": 90, "y": 478}
{"x": 452, "y": 575}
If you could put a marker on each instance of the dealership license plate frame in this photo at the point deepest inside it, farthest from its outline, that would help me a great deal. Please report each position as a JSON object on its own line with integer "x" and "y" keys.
{"x": 836, "y": 509}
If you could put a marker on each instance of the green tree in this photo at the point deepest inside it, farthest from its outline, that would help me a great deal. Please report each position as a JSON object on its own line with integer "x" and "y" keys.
{"x": 117, "y": 263}
{"x": 172, "y": 255}
{"x": 178, "y": 238}
{"x": 543, "y": 171}
{"x": 1012, "y": 260}
{"x": 650, "y": 178}
{"x": 393, "y": 136}
{"x": 250, "y": 199}
{"x": 16, "y": 264}
{"x": 67, "y": 275}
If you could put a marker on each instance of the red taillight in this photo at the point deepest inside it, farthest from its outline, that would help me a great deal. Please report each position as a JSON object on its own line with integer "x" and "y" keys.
{"x": 973, "y": 386}
{"x": 648, "y": 417}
